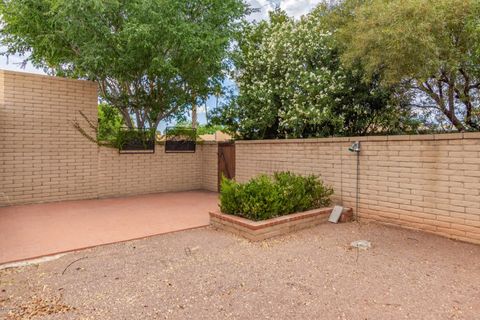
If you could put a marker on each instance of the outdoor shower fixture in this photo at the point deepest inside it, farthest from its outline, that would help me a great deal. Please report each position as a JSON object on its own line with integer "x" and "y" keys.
{"x": 355, "y": 147}
{"x": 337, "y": 210}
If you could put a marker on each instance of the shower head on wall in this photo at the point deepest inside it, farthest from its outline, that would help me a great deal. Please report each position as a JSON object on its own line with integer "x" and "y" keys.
{"x": 355, "y": 147}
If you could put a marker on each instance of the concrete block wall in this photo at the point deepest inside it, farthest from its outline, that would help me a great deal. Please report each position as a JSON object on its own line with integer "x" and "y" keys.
{"x": 44, "y": 158}
{"x": 430, "y": 182}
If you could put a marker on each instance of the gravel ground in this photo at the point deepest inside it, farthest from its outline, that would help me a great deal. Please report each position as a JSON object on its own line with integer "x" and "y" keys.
{"x": 208, "y": 274}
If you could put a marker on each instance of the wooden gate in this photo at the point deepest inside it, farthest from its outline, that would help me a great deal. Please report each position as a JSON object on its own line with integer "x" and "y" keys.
{"x": 226, "y": 161}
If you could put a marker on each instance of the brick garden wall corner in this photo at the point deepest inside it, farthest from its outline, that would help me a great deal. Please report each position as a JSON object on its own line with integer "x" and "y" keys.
{"x": 44, "y": 158}
{"x": 209, "y": 151}
{"x": 426, "y": 182}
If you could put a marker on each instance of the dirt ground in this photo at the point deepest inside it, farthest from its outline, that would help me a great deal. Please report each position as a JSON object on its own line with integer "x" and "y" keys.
{"x": 208, "y": 274}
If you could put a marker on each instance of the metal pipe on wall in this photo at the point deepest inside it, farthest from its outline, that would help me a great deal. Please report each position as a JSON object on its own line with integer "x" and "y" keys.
{"x": 355, "y": 147}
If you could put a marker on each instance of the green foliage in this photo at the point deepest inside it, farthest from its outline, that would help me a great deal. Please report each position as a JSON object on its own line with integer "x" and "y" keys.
{"x": 109, "y": 123}
{"x": 183, "y": 133}
{"x": 142, "y": 138}
{"x": 430, "y": 46}
{"x": 230, "y": 196}
{"x": 209, "y": 129}
{"x": 265, "y": 197}
{"x": 292, "y": 85}
{"x": 150, "y": 58}
{"x": 201, "y": 128}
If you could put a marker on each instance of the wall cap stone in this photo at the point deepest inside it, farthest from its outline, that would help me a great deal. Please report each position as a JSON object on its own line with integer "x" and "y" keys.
{"x": 45, "y": 76}
{"x": 386, "y": 138}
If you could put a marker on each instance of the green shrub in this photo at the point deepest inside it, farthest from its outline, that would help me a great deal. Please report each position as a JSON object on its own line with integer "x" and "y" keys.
{"x": 265, "y": 197}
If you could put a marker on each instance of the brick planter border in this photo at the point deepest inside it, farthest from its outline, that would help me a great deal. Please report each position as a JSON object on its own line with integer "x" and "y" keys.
{"x": 261, "y": 230}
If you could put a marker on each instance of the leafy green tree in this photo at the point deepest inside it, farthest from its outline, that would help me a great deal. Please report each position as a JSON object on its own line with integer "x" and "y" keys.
{"x": 430, "y": 46}
{"x": 110, "y": 122}
{"x": 151, "y": 58}
{"x": 292, "y": 84}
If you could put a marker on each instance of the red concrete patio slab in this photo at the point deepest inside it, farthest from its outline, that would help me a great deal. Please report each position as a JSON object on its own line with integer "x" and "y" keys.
{"x": 32, "y": 231}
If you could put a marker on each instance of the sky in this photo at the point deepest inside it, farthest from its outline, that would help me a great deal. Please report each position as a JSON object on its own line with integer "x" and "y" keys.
{"x": 295, "y": 8}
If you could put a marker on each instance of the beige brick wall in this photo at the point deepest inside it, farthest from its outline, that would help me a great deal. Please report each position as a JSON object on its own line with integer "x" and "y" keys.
{"x": 129, "y": 174}
{"x": 43, "y": 158}
{"x": 209, "y": 166}
{"x": 430, "y": 183}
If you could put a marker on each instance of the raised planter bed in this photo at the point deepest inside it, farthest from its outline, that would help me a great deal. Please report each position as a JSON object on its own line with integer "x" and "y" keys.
{"x": 261, "y": 230}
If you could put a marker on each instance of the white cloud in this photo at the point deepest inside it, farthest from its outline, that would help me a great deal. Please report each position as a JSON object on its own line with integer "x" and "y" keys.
{"x": 295, "y": 8}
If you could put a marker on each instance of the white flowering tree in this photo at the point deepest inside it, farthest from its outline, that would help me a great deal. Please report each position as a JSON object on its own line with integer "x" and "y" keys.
{"x": 291, "y": 84}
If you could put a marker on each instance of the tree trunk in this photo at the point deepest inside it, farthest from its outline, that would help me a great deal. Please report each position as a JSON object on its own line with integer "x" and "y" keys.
{"x": 449, "y": 109}
{"x": 206, "y": 111}
{"x": 194, "y": 114}
{"x": 126, "y": 118}
{"x": 454, "y": 120}
{"x": 450, "y": 113}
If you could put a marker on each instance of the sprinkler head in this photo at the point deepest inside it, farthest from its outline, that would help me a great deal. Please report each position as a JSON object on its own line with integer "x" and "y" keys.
{"x": 355, "y": 147}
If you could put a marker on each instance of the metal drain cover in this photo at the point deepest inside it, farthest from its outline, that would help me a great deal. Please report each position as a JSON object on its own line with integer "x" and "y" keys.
{"x": 361, "y": 244}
